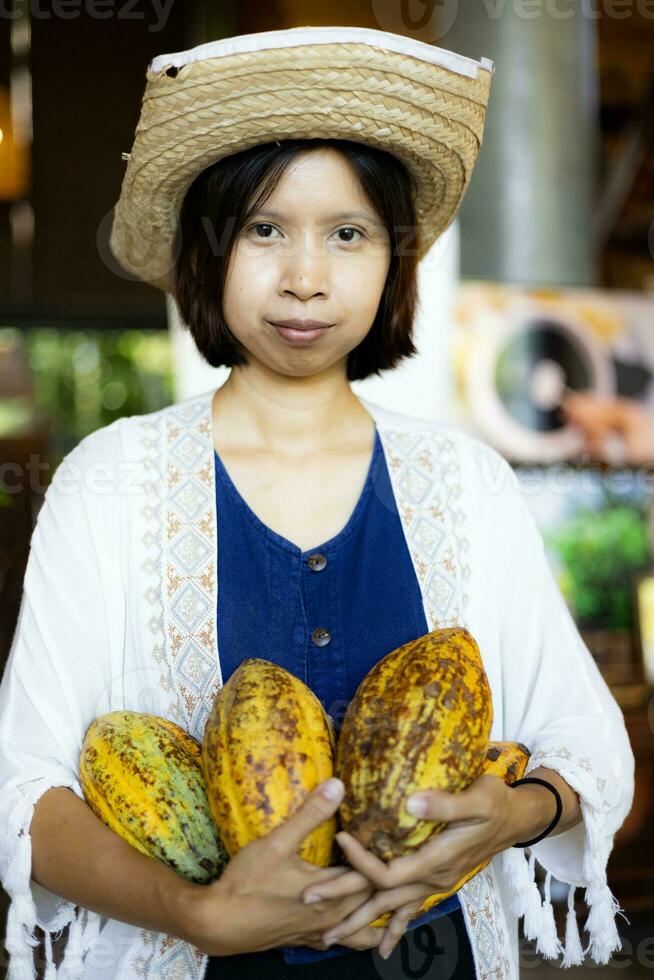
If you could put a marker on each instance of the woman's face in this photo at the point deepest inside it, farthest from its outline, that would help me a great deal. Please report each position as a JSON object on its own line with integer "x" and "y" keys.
{"x": 316, "y": 251}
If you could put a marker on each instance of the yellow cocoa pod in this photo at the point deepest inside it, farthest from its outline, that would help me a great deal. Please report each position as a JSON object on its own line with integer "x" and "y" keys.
{"x": 267, "y": 744}
{"x": 508, "y": 760}
{"x": 420, "y": 719}
{"x": 142, "y": 776}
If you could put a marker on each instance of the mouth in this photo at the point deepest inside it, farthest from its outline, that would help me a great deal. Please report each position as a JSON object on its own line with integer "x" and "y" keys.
{"x": 301, "y": 324}
{"x": 299, "y": 337}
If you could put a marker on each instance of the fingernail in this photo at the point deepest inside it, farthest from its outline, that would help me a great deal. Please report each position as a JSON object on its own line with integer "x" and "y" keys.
{"x": 417, "y": 805}
{"x": 311, "y": 899}
{"x": 330, "y": 940}
{"x": 332, "y": 789}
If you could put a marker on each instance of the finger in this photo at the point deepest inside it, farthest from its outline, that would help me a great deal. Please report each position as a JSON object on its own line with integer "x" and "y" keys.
{"x": 317, "y": 808}
{"x": 359, "y": 919}
{"x": 364, "y": 861}
{"x": 471, "y": 803}
{"x": 337, "y": 887}
{"x": 321, "y": 873}
{"x": 396, "y": 929}
{"x": 378, "y": 903}
{"x": 366, "y": 938}
{"x": 400, "y": 871}
{"x": 433, "y": 863}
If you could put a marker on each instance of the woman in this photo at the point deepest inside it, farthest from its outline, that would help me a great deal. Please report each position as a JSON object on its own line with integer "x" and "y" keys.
{"x": 283, "y": 516}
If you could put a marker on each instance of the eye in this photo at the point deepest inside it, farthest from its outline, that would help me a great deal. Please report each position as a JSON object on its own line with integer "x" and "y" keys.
{"x": 348, "y": 228}
{"x": 260, "y": 225}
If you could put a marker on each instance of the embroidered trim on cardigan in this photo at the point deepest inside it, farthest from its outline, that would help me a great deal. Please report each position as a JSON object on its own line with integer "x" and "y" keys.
{"x": 180, "y": 565}
{"x": 425, "y": 473}
{"x": 425, "y": 477}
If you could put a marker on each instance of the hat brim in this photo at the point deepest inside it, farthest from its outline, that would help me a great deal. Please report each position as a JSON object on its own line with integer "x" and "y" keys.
{"x": 429, "y": 116}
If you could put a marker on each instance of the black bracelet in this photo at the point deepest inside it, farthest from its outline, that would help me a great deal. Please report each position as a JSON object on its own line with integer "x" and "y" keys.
{"x": 559, "y": 807}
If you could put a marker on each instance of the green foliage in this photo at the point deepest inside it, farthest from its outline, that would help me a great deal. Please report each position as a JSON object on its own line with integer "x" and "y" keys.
{"x": 601, "y": 550}
{"x": 84, "y": 379}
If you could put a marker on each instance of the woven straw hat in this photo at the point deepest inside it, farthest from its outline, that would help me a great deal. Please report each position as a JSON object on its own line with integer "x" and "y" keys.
{"x": 424, "y": 104}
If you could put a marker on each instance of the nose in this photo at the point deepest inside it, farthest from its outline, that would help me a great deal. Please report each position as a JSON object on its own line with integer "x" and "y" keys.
{"x": 304, "y": 287}
{"x": 304, "y": 270}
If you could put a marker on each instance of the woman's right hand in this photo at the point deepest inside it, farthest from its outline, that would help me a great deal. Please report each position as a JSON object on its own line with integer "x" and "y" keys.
{"x": 256, "y": 904}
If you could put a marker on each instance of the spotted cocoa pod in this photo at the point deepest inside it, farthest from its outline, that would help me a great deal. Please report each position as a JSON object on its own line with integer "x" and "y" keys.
{"x": 420, "y": 719}
{"x": 267, "y": 744}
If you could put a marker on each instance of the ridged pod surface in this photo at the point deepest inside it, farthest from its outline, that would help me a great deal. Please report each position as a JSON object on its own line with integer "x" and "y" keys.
{"x": 267, "y": 744}
{"x": 142, "y": 776}
{"x": 420, "y": 718}
{"x": 508, "y": 760}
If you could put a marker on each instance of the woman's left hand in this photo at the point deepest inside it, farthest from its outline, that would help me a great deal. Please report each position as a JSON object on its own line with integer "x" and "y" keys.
{"x": 479, "y": 825}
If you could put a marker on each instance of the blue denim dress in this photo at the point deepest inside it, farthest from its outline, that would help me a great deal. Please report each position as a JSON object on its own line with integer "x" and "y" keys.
{"x": 327, "y": 614}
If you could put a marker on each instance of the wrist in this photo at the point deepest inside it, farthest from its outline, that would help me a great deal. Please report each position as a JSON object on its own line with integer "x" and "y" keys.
{"x": 196, "y": 909}
{"x": 532, "y": 808}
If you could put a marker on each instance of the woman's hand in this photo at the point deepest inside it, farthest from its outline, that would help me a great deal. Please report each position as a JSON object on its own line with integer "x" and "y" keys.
{"x": 257, "y": 904}
{"x": 479, "y": 826}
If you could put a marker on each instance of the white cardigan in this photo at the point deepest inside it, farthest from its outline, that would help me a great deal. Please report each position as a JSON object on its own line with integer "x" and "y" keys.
{"x": 118, "y": 612}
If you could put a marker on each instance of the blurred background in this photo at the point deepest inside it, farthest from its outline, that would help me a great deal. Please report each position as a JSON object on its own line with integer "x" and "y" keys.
{"x": 536, "y": 323}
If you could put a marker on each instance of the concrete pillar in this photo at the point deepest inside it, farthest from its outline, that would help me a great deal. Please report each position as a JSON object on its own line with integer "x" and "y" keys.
{"x": 528, "y": 213}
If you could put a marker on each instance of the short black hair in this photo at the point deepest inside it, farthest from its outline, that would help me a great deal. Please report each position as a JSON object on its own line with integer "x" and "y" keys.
{"x": 218, "y": 204}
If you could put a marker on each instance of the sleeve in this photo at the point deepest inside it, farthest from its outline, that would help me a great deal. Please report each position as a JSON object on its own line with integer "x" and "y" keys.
{"x": 47, "y": 699}
{"x": 557, "y": 703}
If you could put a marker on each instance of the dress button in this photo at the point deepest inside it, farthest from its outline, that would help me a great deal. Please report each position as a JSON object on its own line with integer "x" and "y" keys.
{"x": 321, "y": 636}
{"x": 316, "y": 562}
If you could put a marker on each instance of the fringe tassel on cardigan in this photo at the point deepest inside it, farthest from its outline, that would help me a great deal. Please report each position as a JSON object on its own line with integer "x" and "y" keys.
{"x": 21, "y": 917}
{"x": 83, "y": 933}
{"x": 600, "y": 924}
{"x": 574, "y": 954}
{"x": 539, "y": 923}
{"x": 20, "y": 941}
